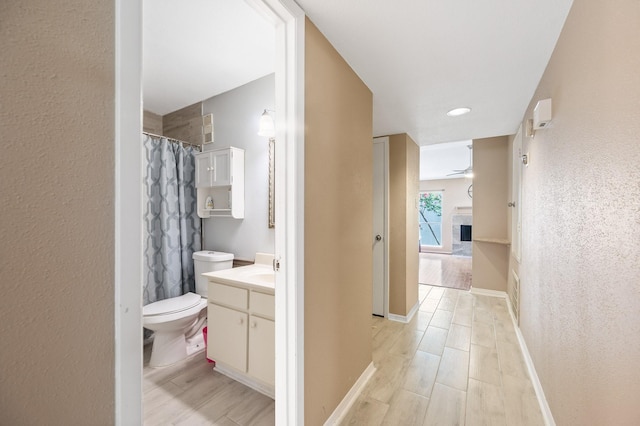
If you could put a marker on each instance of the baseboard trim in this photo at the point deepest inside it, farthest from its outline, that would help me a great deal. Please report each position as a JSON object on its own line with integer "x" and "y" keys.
{"x": 547, "y": 416}
{"x": 245, "y": 380}
{"x": 347, "y": 402}
{"x": 487, "y": 292}
{"x": 402, "y": 318}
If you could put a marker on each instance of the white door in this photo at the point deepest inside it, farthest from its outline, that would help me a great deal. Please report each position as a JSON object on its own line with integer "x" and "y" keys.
{"x": 380, "y": 173}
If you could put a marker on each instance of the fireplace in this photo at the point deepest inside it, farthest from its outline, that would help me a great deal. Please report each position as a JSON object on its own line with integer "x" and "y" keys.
{"x": 461, "y": 235}
{"x": 465, "y": 232}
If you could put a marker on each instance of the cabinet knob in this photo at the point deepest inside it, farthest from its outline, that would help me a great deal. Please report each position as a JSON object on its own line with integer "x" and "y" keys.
{"x": 254, "y": 324}
{"x": 240, "y": 321}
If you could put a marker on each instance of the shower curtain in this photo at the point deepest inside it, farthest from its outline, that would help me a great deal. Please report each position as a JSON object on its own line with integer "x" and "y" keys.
{"x": 171, "y": 224}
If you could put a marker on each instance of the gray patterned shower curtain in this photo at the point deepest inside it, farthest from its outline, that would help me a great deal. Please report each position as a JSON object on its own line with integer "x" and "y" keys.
{"x": 171, "y": 223}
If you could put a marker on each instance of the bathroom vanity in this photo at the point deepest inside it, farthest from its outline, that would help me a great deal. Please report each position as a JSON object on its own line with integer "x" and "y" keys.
{"x": 241, "y": 324}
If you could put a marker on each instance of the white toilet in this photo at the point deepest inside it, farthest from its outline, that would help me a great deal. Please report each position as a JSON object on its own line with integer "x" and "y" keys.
{"x": 177, "y": 323}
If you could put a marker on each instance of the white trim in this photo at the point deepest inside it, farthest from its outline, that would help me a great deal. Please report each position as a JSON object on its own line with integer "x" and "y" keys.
{"x": 347, "y": 402}
{"x": 289, "y": 21}
{"x": 405, "y": 319}
{"x": 487, "y": 292}
{"x": 128, "y": 214}
{"x": 533, "y": 375}
{"x": 245, "y": 380}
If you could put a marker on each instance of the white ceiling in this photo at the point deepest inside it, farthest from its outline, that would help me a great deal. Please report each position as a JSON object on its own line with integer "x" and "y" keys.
{"x": 420, "y": 58}
{"x": 438, "y": 161}
{"x": 195, "y": 49}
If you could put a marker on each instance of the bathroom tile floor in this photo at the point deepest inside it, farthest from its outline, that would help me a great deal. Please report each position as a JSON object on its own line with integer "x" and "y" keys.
{"x": 457, "y": 362}
{"x": 190, "y": 393}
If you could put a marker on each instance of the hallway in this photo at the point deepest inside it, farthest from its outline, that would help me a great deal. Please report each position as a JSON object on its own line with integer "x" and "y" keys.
{"x": 457, "y": 362}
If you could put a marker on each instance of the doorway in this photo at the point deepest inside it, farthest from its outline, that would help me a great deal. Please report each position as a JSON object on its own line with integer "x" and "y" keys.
{"x": 288, "y": 19}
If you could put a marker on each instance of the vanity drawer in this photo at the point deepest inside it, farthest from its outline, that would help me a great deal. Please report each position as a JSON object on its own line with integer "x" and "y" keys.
{"x": 263, "y": 304}
{"x": 228, "y": 295}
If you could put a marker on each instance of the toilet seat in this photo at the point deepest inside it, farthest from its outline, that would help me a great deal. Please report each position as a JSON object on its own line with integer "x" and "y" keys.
{"x": 172, "y": 305}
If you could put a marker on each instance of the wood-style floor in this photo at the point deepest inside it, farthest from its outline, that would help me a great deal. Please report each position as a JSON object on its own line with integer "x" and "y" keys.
{"x": 190, "y": 393}
{"x": 457, "y": 362}
{"x": 445, "y": 270}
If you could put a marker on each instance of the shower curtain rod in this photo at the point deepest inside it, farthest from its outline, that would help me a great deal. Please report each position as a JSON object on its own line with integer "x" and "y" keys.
{"x": 173, "y": 139}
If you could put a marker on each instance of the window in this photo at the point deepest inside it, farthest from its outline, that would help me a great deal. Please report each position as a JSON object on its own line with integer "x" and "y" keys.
{"x": 430, "y": 218}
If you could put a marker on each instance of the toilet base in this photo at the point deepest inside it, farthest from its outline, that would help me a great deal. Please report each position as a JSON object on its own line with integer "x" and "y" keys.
{"x": 195, "y": 344}
{"x": 168, "y": 348}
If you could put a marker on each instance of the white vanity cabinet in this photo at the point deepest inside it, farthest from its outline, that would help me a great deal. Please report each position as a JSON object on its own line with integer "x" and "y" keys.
{"x": 241, "y": 334}
{"x": 220, "y": 175}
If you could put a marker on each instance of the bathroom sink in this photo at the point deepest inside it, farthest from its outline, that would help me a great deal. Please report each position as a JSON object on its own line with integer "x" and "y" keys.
{"x": 264, "y": 277}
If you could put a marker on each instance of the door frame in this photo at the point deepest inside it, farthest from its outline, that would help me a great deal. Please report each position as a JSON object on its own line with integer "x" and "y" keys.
{"x": 384, "y": 140}
{"x": 289, "y": 22}
{"x": 516, "y": 195}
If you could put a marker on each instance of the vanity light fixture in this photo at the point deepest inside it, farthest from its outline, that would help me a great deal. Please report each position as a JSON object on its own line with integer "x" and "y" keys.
{"x": 459, "y": 111}
{"x": 267, "y": 127}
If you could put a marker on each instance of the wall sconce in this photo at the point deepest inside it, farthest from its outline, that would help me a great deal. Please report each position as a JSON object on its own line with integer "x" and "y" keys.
{"x": 267, "y": 127}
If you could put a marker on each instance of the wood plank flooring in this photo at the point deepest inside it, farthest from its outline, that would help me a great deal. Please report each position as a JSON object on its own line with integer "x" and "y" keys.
{"x": 460, "y": 365}
{"x": 457, "y": 362}
{"x": 190, "y": 393}
{"x": 445, "y": 270}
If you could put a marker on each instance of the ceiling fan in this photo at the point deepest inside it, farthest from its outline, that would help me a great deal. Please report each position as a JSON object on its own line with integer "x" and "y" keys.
{"x": 468, "y": 172}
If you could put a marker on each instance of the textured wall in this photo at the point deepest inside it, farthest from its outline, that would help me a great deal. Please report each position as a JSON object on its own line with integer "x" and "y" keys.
{"x": 337, "y": 227}
{"x": 236, "y": 115}
{"x": 404, "y": 158}
{"x": 57, "y": 221}
{"x": 580, "y": 271}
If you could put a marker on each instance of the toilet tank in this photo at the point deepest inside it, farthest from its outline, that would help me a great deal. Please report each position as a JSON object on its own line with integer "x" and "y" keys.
{"x": 209, "y": 261}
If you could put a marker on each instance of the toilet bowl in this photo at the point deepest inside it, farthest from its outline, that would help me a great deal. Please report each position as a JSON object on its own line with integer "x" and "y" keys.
{"x": 177, "y": 322}
{"x": 174, "y": 321}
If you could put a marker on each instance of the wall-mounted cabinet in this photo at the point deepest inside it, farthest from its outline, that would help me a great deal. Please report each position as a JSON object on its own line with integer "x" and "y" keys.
{"x": 220, "y": 175}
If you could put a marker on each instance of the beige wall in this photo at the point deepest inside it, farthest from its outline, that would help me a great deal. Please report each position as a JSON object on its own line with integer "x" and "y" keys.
{"x": 455, "y": 195}
{"x": 490, "y": 198}
{"x": 57, "y": 220}
{"x": 338, "y": 223}
{"x": 580, "y": 271}
{"x": 404, "y": 163}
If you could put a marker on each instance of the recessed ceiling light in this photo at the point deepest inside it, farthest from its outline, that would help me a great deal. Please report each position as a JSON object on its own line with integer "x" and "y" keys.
{"x": 458, "y": 111}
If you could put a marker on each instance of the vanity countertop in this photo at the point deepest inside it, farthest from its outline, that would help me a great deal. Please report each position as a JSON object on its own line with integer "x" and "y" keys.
{"x": 257, "y": 276}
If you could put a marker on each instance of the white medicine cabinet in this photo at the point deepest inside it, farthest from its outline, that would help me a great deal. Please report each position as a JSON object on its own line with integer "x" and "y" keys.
{"x": 220, "y": 176}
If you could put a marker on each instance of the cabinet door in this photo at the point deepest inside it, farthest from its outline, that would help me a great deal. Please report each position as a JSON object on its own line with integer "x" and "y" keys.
{"x": 203, "y": 170}
{"x": 221, "y": 165}
{"x": 227, "y": 337}
{"x": 262, "y": 350}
